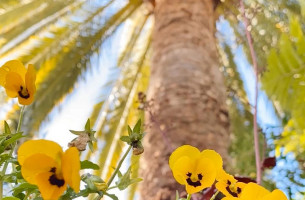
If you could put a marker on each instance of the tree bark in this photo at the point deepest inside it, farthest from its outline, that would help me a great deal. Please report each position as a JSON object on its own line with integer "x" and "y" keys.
{"x": 187, "y": 92}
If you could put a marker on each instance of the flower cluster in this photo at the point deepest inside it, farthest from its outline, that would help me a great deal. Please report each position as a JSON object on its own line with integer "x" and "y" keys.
{"x": 199, "y": 170}
{"x": 43, "y": 163}
{"x": 253, "y": 191}
{"x": 18, "y": 81}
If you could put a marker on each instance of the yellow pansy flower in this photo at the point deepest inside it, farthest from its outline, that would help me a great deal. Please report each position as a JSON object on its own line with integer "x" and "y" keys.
{"x": 18, "y": 81}
{"x": 229, "y": 186}
{"x": 253, "y": 191}
{"x": 194, "y": 169}
{"x": 43, "y": 163}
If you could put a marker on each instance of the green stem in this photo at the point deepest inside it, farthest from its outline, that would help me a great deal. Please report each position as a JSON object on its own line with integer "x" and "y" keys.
{"x": 11, "y": 151}
{"x": 188, "y": 196}
{"x": 20, "y": 119}
{"x": 110, "y": 188}
{"x": 214, "y": 196}
{"x": 1, "y": 189}
{"x": 27, "y": 194}
{"x": 119, "y": 166}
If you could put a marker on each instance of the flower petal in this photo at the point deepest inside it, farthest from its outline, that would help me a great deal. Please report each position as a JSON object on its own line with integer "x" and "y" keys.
{"x": 185, "y": 150}
{"x": 230, "y": 198}
{"x": 71, "y": 167}
{"x": 13, "y": 84}
{"x": 30, "y": 78}
{"x": 36, "y": 164}
{"x": 216, "y": 158}
{"x": 11, "y": 66}
{"x": 275, "y": 195}
{"x": 226, "y": 183}
{"x": 47, "y": 147}
{"x": 253, "y": 191}
{"x": 207, "y": 168}
{"x": 181, "y": 168}
{"x": 47, "y": 190}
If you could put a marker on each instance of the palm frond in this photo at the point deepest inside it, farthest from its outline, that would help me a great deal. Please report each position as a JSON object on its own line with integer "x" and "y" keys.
{"x": 120, "y": 118}
{"x": 47, "y": 13}
{"x": 61, "y": 79}
{"x": 126, "y": 53}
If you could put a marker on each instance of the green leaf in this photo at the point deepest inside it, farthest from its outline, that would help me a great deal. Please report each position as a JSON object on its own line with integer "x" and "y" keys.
{"x": 13, "y": 139}
{"x": 112, "y": 196}
{"x": 91, "y": 135}
{"x": 4, "y": 158}
{"x": 86, "y": 164}
{"x": 11, "y": 198}
{"x": 125, "y": 139}
{"x": 125, "y": 180}
{"x": 7, "y": 129}
{"x": 137, "y": 127}
{"x": 129, "y": 130}
{"x": 24, "y": 187}
{"x": 76, "y": 132}
{"x": 87, "y": 126}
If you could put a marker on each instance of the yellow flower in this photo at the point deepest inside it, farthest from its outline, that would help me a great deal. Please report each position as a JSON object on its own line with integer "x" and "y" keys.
{"x": 18, "y": 82}
{"x": 229, "y": 186}
{"x": 253, "y": 191}
{"x": 194, "y": 169}
{"x": 43, "y": 163}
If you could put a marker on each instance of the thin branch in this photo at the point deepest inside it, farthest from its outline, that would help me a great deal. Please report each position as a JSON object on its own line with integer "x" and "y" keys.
{"x": 254, "y": 61}
{"x": 162, "y": 131}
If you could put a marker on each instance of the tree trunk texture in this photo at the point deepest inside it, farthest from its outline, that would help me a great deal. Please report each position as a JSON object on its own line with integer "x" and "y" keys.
{"x": 187, "y": 92}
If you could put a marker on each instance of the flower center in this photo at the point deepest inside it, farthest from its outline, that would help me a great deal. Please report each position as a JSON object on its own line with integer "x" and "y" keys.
{"x": 194, "y": 181}
{"x": 231, "y": 189}
{"x": 54, "y": 180}
{"x": 23, "y": 92}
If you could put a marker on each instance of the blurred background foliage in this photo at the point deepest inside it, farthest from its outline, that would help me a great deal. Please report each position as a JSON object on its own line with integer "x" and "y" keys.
{"x": 61, "y": 38}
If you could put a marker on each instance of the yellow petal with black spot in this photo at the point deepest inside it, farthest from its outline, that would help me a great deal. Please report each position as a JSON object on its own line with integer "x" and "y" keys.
{"x": 30, "y": 78}
{"x": 13, "y": 84}
{"x": 36, "y": 164}
{"x": 18, "y": 82}
{"x": 228, "y": 185}
{"x": 44, "y": 164}
{"x": 194, "y": 174}
{"x": 182, "y": 167}
{"x": 49, "y": 191}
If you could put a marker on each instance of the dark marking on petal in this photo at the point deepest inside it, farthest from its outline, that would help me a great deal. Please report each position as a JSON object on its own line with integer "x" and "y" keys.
{"x": 228, "y": 182}
{"x": 24, "y": 93}
{"x": 238, "y": 190}
{"x": 200, "y": 176}
{"x": 53, "y": 169}
{"x": 194, "y": 184}
{"x": 234, "y": 194}
{"x": 56, "y": 181}
{"x": 189, "y": 174}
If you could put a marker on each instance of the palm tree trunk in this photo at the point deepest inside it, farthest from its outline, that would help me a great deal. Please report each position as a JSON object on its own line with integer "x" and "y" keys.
{"x": 186, "y": 90}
